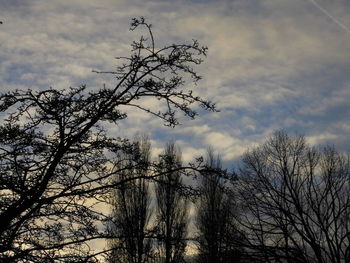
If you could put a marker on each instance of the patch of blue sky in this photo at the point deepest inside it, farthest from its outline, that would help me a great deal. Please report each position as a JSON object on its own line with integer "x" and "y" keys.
{"x": 14, "y": 73}
{"x": 286, "y": 63}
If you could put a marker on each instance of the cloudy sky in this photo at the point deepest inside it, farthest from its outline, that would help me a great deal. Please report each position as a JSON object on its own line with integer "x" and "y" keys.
{"x": 272, "y": 64}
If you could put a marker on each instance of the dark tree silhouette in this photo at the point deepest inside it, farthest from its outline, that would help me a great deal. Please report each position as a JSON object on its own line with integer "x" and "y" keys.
{"x": 297, "y": 200}
{"x": 172, "y": 207}
{"x": 131, "y": 209}
{"x": 215, "y": 215}
{"x": 56, "y": 161}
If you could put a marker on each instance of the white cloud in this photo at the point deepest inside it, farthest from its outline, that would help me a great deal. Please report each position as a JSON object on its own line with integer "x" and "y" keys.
{"x": 321, "y": 138}
{"x": 267, "y": 59}
{"x": 228, "y": 147}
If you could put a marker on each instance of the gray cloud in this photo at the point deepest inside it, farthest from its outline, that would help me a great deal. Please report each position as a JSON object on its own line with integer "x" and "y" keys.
{"x": 272, "y": 64}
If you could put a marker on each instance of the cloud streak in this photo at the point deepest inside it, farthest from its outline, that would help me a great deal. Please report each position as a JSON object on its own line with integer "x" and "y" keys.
{"x": 335, "y": 20}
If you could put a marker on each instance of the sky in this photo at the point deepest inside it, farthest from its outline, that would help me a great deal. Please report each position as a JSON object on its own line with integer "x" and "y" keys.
{"x": 271, "y": 64}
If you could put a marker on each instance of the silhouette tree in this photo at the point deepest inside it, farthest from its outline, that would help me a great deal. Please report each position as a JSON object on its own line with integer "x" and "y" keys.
{"x": 297, "y": 200}
{"x": 172, "y": 207}
{"x": 131, "y": 209}
{"x": 56, "y": 160}
{"x": 215, "y": 215}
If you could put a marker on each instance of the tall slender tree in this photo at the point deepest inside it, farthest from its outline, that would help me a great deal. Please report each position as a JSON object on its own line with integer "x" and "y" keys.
{"x": 131, "y": 208}
{"x": 215, "y": 220}
{"x": 172, "y": 207}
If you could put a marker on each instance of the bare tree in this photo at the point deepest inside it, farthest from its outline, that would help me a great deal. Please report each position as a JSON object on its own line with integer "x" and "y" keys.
{"x": 215, "y": 215}
{"x": 172, "y": 207}
{"x": 297, "y": 200}
{"x": 131, "y": 209}
{"x": 56, "y": 161}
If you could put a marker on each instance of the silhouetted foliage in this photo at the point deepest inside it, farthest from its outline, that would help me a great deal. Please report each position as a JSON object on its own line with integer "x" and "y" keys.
{"x": 297, "y": 202}
{"x": 131, "y": 209}
{"x": 171, "y": 207}
{"x": 60, "y": 172}
{"x": 56, "y": 160}
{"x": 215, "y": 215}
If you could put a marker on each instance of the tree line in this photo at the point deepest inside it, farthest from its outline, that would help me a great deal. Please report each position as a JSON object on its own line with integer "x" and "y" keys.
{"x": 61, "y": 171}
{"x": 286, "y": 202}
{"x": 163, "y": 237}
